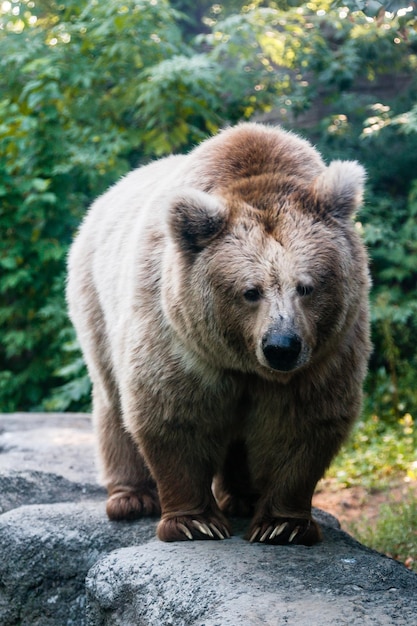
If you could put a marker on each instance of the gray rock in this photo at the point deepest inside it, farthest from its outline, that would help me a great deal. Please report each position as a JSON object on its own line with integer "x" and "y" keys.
{"x": 54, "y": 533}
{"x": 45, "y": 458}
{"x": 233, "y": 583}
{"x": 47, "y": 551}
{"x": 19, "y": 488}
{"x": 56, "y": 443}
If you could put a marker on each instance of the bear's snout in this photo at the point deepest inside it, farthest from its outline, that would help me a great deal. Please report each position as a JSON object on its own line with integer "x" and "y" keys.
{"x": 281, "y": 351}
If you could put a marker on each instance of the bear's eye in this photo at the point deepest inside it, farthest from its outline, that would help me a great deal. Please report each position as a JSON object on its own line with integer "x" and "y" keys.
{"x": 304, "y": 290}
{"x": 253, "y": 295}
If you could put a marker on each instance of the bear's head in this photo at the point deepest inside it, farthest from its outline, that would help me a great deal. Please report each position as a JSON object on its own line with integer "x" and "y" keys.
{"x": 266, "y": 274}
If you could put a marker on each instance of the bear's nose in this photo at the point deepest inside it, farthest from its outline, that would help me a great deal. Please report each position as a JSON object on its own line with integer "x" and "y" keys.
{"x": 281, "y": 351}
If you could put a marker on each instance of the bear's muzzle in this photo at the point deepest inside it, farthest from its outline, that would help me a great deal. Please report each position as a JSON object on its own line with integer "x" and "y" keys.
{"x": 281, "y": 351}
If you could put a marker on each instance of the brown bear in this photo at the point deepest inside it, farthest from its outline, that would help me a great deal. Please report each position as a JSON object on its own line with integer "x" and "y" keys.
{"x": 221, "y": 302}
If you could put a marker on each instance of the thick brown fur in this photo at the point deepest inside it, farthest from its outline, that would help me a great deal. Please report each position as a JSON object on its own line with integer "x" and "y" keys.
{"x": 221, "y": 302}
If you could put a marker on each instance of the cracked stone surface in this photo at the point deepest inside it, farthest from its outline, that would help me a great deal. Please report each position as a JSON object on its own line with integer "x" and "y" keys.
{"x": 64, "y": 563}
{"x": 229, "y": 583}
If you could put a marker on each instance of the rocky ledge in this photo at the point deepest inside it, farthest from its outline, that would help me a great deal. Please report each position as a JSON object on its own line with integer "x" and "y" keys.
{"x": 63, "y": 563}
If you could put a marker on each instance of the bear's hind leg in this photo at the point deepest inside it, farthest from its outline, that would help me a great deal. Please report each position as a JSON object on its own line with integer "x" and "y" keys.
{"x": 132, "y": 491}
{"x": 233, "y": 488}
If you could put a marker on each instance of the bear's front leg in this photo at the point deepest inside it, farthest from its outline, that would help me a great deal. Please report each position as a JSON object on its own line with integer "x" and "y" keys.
{"x": 286, "y": 474}
{"x": 283, "y": 513}
{"x": 183, "y": 466}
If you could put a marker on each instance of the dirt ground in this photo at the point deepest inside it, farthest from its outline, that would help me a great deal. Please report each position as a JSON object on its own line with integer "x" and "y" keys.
{"x": 353, "y": 505}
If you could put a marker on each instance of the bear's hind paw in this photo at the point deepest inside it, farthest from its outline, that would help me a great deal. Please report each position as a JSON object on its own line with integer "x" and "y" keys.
{"x": 236, "y": 506}
{"x": 129, "y": 505}
{"x": 285, "y": 531}
{"x": 183, "y": 528}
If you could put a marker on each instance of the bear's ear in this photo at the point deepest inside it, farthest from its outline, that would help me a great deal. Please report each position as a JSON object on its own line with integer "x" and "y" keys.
{"x": 195, "y": 219}
{"x": 339, "y": 189}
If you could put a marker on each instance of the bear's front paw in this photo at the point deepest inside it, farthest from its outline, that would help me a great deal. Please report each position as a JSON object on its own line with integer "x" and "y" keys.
{"x": 125, "y": 504}
{"x": 189, "y": 527}
{"x": 284, "y": 531}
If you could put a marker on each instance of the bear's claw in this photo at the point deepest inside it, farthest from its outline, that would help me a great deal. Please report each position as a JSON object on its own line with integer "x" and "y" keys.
{"x": 281, "y": 531}
{"x": 184, "y": 527}
{"x": 185, "y": 530}
{"x": 223, "y": 534}
{"x": 203, "y": 528}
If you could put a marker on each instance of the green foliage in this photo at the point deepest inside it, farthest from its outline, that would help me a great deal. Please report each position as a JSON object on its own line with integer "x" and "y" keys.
{"x": 392, "y": 240}
{"x": 60, "y": 147}
{"x": 394, "y": 532}
{"x": 377, "y": 452}
{"x": 77, "y": 390}
{"x": 90, "y": 89}
{"x": 405, "y": 10}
